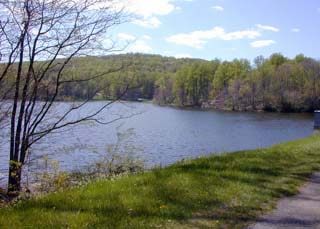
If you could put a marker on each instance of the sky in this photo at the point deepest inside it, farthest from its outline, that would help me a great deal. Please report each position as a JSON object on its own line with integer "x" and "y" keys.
{"x": 223, "y": 29}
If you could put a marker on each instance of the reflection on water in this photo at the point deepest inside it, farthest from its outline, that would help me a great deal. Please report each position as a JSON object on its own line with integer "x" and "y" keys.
{"x": 168, "y": 134}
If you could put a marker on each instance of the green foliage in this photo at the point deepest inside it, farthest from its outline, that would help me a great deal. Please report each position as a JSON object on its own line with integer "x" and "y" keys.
{"x": 272, "y": 84}
{"x": 277, "y": 59}
{"x": 191, "y": 84}
{"x": 222, "y": 191}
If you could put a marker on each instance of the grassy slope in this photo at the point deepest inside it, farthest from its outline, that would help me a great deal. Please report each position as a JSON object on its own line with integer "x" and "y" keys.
{"x": 224, "y": 191}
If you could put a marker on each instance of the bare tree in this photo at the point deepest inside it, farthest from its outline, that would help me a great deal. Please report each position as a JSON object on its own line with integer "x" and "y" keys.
{"x": 38, "y": 39}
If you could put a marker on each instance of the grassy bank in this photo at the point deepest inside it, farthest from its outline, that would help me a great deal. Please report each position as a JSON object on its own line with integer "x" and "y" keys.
{"x": 225, "y": 191}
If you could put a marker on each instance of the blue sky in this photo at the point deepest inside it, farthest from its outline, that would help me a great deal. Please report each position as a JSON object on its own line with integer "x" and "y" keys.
{"x": 224, "y": 29}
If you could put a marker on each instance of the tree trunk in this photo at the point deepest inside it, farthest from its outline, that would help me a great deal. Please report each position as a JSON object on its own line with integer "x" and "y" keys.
{"x": 14, "y": 182}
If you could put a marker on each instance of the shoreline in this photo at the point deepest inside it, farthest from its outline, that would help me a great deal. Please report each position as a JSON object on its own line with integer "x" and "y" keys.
{"x": 188, "y": 107}
{"x": 227, "y": 190}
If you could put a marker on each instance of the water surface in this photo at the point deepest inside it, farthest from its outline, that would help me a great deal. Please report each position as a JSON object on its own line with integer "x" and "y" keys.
{"x": 164, "y": 135}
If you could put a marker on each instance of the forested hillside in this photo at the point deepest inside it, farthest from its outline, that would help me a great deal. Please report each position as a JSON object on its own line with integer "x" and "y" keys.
{"x": 276, "y": 83}
{"x": 115, "y": 72}
{"x": 273, "y": 84}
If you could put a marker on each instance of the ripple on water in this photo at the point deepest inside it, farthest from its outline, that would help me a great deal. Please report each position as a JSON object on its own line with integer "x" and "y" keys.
{"x": 168, "y": 135}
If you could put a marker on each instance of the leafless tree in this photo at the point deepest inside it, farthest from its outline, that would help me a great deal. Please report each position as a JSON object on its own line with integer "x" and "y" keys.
{"x": 38, "y": 40}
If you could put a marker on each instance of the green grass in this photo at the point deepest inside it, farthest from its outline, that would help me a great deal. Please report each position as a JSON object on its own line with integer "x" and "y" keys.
{"x": 224, "y": 191}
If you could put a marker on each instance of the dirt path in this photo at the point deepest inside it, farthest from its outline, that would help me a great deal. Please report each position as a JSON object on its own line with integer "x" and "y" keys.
{"x": 300, "y": 211}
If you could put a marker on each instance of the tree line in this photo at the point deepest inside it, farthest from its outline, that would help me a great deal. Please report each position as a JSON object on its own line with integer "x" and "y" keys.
{"x": 276, "y": 83}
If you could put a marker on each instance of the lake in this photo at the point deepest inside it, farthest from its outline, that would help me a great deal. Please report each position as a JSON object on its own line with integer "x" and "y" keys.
{"x": 164, "y": 135}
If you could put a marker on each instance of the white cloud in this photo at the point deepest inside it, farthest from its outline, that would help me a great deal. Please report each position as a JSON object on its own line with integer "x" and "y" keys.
{"x": 183, "y": 55}
{"x": 147, "y": 12}
{"x": 134, "y": 44}
{"x": 262, "y": 43}
{"x": 126, "y": 37}
{"x": 295, "y": 30}
{"x": 198, "y": 39}
{"x": 267, "y": 27}
{"x": 151, "y": 22}
{"x": 146, "y": 37}
{"x": 146, "y": 9}
{"x": 140, "y": 46}
{"x": 218, "y": 8}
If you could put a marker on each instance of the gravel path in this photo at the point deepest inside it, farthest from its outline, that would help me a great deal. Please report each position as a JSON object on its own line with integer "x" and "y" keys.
{"x": 300, "y": 211}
